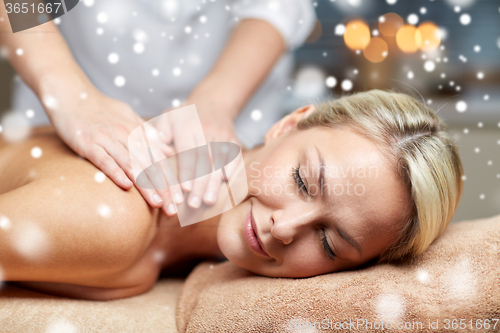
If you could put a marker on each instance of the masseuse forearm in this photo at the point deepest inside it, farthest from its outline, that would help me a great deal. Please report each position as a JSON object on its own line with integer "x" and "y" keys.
{"x": 45, "y": 63}
{"x": 250, "y": 54}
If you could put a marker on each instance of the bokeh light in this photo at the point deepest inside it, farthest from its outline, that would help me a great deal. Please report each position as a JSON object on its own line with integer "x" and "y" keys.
{"x": 377, "y": 50}
{"x": 357, "y": 35}
{"x": 409, "y": 39}
{"x": 431, "y": 36}
{"x": 389, "y": 24}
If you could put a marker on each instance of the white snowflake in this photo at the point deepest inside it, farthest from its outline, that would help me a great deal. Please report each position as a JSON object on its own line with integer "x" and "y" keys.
{"x": 102, "y": 17}
{"x": 31, "y": 241}
{"x": 390, "y": 307}
{"x": 256, "y": 115}
{"x": 461, "y": 106}
{"x": 422, "y": 276}
{"x": 99, "y": 177}
{"x": 177, "y": 71}
{"x": 412, "y": 19}
{"x": 4, "y": 222}
{"x": 36, "y": 152}
{"x": 104, "y": 210}
{"x": 331, "y": 82}
{"x": 113, "y": 58}
{"x": 120, "y": 81}
{"x": 465, "y": 19}
{"x": 61, "y": 325}
{"x": 429, "y": 66}
{"x": 139, "y": 48}
{"x": 346, "y": 85}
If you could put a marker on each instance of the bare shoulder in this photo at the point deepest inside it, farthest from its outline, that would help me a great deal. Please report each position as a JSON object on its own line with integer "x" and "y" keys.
{"x": 101, "y": 235}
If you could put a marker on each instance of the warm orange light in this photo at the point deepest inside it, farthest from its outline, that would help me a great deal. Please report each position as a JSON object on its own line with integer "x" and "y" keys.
{"x": 357, "y": 35}
{"x": 389, "y": 24}
{"x": 377, "y": 50}
{"x": 430, "y": 36}
{"x": 408, "y": 39}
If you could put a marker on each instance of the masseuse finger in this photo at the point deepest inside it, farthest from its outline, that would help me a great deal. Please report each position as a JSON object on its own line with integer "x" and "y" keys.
{"x": 186, "y": 161}
{"x": 163, "y": 125}
{"x": 107, "y": 164}
{"x": 200, "y": 183}
{"x": 174, "y": 191}
{"x": 157, "y": 177}
{"x": 160, "y": 172}
{"x": 212, "y": 189}
{"x": 146, "y": 173}
{"x": 160, "y": 185}
{"x": 230, "y": 166}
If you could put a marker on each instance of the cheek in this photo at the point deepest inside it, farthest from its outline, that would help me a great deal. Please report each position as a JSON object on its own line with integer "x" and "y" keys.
{"x": 269, "y": 178}
{"x": 228, "y": 235}
{"x": 304, "y": 261}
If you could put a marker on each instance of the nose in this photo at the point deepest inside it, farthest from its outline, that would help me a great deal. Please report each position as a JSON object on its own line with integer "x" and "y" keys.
{"x": 287, "y": 225}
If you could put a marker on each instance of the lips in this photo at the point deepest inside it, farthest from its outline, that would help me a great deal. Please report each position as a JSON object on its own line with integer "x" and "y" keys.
{"x": 250, "y": 233}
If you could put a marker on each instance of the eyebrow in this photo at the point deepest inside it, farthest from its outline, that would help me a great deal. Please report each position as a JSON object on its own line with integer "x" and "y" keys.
{"x": 321, "y": 181}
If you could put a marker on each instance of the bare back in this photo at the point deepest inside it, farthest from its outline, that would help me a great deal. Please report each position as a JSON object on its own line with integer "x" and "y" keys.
{"x": 68, "y": 227}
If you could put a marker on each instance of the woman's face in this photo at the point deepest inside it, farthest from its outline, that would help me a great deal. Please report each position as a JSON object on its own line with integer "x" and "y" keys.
{"x": 320, "y": 200}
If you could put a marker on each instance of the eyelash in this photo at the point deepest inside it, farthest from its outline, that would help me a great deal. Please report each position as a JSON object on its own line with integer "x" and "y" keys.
{"x": 299, "y": 181}
{"x": 327, "y": 247}
{"x": 303, "y": 187}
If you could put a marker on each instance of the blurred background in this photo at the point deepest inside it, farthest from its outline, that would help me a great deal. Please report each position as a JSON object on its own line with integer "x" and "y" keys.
{"x": 445, "y": 52}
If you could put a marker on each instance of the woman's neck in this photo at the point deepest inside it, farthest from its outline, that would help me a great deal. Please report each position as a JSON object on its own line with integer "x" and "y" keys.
{"x": 197, "y": 240}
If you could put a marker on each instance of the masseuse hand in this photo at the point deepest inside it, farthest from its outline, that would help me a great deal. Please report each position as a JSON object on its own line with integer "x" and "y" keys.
{"x": 98, "y": 128}
{"x": 217, "y": 127}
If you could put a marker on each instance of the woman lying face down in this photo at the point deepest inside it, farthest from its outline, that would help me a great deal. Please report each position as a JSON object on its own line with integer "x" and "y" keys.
{"x": 371, "y": 175}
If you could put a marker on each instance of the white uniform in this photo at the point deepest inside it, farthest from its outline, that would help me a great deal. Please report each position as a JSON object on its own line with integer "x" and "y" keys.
{"x": 165, "y": 48}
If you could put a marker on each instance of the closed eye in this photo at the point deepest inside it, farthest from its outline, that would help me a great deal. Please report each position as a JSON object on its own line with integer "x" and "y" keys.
{"x": 299, "y": 181}
{"x": 326, "y": 246}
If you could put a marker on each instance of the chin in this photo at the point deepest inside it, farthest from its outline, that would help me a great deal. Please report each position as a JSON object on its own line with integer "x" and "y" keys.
{"x": 230, "y": 234}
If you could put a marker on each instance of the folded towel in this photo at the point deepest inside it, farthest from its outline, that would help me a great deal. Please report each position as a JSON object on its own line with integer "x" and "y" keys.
{"x": 453, "y": 286}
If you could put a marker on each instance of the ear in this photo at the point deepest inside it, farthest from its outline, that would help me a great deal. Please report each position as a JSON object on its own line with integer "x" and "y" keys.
{"x": 289, "y": 122}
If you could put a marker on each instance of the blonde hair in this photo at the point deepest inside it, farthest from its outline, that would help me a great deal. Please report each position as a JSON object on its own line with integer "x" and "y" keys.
{"x": 427, "y": 159}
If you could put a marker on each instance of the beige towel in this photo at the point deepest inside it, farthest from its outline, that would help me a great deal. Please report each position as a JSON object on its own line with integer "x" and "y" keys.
{"x": 453, "y": 286}
{"x": 27, "y": 311}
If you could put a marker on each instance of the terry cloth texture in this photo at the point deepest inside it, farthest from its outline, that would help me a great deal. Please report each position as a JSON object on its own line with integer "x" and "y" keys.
{"x": 23, "y": 310}
{"x": 456, "y": 282}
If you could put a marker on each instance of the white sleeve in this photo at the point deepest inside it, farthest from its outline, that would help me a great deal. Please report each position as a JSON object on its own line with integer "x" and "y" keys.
{"x": 294, "y": 19}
